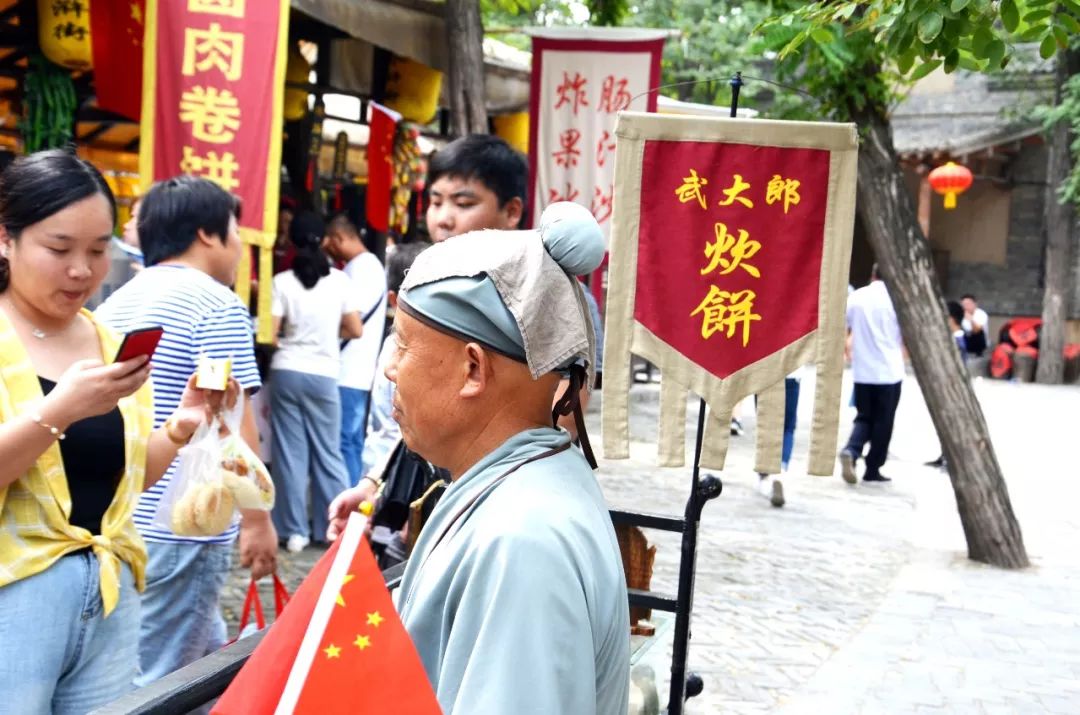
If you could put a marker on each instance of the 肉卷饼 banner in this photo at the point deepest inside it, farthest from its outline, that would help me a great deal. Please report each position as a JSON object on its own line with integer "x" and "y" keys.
{"x": 729, "y": 250}
{"x": 213, "y": 85}
{"x": 581, "y": 80}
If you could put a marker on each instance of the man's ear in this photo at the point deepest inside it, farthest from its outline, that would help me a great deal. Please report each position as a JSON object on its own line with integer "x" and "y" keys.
{"x": 208, "y": 239}
{"x": 391, "y": 298}
{"x": 478, "y": 371}
{"x": 514, "y": 209}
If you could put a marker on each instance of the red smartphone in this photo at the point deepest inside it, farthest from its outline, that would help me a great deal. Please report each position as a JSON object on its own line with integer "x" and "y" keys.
{"x": 139, "y": 342}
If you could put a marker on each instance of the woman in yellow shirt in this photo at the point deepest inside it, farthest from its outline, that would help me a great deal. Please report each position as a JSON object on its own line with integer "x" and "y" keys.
{"x": 76, "y": 447}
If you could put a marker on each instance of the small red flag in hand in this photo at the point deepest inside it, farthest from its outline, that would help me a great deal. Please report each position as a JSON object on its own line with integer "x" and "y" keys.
{"x": 338, "y": 647}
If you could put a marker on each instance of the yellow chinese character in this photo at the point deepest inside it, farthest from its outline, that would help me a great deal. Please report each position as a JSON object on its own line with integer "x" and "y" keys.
{"x": 737, "y": 188}
{"x": 219, "y": 169}
{"x": 207, "y": 49}
{"x": 214, "y": 114}
{"x": 726, "y": 311}
{"x": 786, "y": 189}
{"x": 728, "y": 253}
{"x": 231, "y": 8}
{"x": 691, "y": 189}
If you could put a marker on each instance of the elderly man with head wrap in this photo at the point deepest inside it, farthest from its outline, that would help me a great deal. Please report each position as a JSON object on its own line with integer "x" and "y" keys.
{"x": 514, "y": 595}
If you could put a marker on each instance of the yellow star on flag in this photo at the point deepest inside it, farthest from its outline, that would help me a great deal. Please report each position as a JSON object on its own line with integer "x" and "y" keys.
{"x": 332, "y": 651}
{"x": 374, "y": 619}
{"x": 136, "y": 13}
{"x": 339, "y": 600}
{"x": 362, "y": 642}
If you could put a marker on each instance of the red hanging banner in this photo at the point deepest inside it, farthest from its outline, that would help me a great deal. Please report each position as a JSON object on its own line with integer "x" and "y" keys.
{"x": 730, "y": 246}
{"x": 213, "y": 87}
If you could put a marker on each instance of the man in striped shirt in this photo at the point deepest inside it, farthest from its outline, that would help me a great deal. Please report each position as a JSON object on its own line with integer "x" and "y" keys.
{"x": 188, "y": 231}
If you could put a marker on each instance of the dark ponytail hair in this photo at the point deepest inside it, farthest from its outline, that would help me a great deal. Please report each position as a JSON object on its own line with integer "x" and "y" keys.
{"x": 34, "y": 187}
{"x": 306, "y": 233}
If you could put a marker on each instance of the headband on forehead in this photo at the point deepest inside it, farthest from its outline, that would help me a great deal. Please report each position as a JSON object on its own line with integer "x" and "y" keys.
{"x": 514, "y": 291}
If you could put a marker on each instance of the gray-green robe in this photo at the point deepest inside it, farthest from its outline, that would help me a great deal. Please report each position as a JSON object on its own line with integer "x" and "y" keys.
{"x": 521, "y": 607}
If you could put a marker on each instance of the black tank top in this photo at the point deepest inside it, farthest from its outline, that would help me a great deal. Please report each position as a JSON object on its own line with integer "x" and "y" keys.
{"x": 93, "y": 454}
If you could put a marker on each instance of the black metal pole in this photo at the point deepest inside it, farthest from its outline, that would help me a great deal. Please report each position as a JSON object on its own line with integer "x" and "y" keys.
{"x": 736, "y": 84}
{"x": 687, "y": 561}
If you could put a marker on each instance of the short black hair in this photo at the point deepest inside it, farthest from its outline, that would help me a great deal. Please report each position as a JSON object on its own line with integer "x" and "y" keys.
{"x": 173, "y": 211}
{"x": 966, "y": 296}
{"x": 487, "y": 159}
{"x": 400, "y": 261}
{"x": 342, "y": 222}
{"x": 956, "y": 311}
{"x": 34, "y": 187}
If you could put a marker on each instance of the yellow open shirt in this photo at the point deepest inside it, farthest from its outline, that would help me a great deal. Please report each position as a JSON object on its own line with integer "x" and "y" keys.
{"x": 34, "y": 510}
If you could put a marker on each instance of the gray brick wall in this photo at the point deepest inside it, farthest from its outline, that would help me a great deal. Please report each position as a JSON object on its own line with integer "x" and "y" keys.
{"x": 1015, "y": 288}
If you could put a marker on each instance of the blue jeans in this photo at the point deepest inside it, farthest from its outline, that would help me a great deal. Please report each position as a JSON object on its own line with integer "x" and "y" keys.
{"x": 791, "y": 408}
{"x": 58, "y": 653}
{"x": 354, "y": 406}
{"x": 181, "y": 612}
{"x": 305, "y": 412}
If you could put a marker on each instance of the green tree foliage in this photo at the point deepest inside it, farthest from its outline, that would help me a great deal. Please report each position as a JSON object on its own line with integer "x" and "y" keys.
{"x": 851, "y": 53}
{"x": 855, "y": 55}
{"x": 1068, "y": 111}
{"x": 714, "y": 42}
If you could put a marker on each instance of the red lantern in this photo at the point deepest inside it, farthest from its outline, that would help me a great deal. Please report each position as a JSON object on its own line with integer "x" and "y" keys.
{"x": 950, "y": 180}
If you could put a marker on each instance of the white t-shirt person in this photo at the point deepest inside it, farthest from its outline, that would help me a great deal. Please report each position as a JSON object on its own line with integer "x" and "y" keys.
{"x": 360, "y": 355}
{"x": 877, "y": 350}
{"x": 311, "y": 321}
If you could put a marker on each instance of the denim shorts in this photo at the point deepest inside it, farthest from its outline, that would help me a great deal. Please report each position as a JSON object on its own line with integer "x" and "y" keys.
{"x": 58, "y": 651}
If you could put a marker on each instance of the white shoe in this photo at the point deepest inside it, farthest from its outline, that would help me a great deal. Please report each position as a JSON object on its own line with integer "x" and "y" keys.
{"x": 296, "y": 543}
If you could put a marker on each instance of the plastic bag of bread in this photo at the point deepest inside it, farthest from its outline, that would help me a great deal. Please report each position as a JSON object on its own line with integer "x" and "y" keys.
{"x": 242, "y": 471}
{"x": 197, "y": 501}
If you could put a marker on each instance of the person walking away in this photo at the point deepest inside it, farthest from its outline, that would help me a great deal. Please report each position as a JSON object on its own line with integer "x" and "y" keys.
{"x": 189, "y": 236}
{"x": 359, "y": 355}
{"x": 76, "y": 447}
{"x": 772, "y": 485}
{"x": 877, "y": 363}
{"x": 314, "y": 306}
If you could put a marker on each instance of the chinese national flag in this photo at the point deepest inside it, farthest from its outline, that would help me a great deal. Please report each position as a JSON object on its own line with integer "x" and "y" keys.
{"x": 338, "y": 647}
{"x": 380, "y": 158}
{"x": 116, "y": 39}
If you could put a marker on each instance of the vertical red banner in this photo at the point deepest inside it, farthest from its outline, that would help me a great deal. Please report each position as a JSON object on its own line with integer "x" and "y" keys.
{"x": 116, "y": 38}
{"x": 380, "y": 158}
{"x": 213, "y": 88}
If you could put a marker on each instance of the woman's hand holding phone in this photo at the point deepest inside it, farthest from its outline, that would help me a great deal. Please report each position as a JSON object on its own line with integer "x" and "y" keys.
{"x": 89, "y": 388}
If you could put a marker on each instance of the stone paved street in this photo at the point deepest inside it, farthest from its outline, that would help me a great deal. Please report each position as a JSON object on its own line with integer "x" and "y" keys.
{"x": 860, "y": 599}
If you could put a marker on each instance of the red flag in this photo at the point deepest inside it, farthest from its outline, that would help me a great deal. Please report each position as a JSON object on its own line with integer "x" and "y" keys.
{"x": 339, "y": 646}
{"x": 116, "y": 39}
{"x": 380, "y": 153}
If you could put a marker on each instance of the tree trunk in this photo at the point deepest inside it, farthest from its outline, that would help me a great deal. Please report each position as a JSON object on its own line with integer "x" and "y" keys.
{"x": 465, "y": 40}
{"x": 904, "y": 258}
{"x": 1059, "y": 240}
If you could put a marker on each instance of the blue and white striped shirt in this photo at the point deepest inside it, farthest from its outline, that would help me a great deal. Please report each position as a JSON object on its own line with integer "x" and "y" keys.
{"x": 200, "y": 317}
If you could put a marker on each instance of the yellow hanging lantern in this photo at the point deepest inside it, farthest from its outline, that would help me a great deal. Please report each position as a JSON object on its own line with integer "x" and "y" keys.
{"x": 412, "y": 90}
{"x": 64, "y": 33}
{"x": 514, "y": 128}
{"x": 297, "y": 69}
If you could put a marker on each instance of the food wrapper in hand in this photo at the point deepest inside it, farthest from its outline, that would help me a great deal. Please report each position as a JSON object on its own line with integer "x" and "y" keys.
{"x": 197, "y": 501}
{"x": 242, "y": 471}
